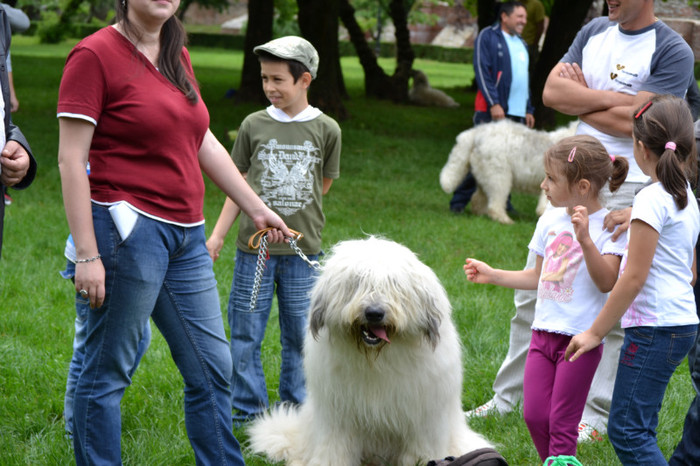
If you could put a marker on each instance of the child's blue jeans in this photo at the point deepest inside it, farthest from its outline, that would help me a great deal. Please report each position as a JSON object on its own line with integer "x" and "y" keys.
{"x": 293, "y": 279}
{"x": 648, "y": 358}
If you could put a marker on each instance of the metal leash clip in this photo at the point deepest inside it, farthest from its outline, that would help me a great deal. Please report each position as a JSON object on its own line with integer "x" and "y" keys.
{"x": 262, "y": 258}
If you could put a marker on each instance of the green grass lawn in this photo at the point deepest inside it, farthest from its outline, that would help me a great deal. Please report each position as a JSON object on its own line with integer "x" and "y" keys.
{"x": 392, "y": 155}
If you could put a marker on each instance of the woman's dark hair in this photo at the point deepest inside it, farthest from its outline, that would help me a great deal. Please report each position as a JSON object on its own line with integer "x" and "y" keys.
{"x": 172, "y": 39}
{"x": 667, "y": 119}
{"x": 584, "y": 157}
{"x": 296, "y": 69}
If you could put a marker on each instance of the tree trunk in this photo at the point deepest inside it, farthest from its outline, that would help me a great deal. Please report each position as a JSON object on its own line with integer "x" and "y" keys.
{"x": 487, "y": 13}
{"x": 318, "y": 22}
{"x": 377, "y": 83}
{"x": 565, "y": 21}
{"x": 404, "y": 51}
{"x": 259, "y": 31}
{"x": 375, "y": 78}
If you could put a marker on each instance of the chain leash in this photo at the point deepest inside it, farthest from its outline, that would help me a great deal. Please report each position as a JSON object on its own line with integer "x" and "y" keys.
{"x": 263, "y": 256}
{"x": 259, "y": 270}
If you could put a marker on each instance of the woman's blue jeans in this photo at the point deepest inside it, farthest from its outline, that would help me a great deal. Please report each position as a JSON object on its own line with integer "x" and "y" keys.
{"x": 648, "y": 358}
{"x": 161, "y": 271}
{"x": 293, "y": 279}
{"x": 82, "y": 310}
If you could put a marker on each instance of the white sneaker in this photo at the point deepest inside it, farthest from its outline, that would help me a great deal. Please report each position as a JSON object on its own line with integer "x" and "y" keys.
{"x": 586, "y": 433}
{"x": 487, "y": 409}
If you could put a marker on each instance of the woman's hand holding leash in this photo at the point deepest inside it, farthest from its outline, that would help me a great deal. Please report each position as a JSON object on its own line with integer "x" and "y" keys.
{"x": 273, "y": 225}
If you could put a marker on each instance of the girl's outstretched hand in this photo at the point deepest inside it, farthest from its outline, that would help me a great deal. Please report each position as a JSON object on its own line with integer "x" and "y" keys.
{"x": 579, "y": 220}
{"x": 477, "y": 271}
{"x": 580, "y": 344}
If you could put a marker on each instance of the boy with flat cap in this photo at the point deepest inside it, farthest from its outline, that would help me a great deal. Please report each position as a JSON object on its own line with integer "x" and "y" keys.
{"x": 290, "y": 155}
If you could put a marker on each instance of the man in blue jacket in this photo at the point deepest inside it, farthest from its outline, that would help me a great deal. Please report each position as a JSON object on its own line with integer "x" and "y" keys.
{"x": 17, "y": 165}
{"x": 501, "y": 69}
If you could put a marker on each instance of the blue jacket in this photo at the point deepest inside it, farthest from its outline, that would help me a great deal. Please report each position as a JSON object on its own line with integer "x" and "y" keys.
{"x": 492, "y": 68}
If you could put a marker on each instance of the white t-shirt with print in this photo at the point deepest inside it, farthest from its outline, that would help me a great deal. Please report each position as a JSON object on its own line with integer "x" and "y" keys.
{"x": 653, "y": 59}
{"x": 667, "y": 298}
{"x": 567, "y": 299}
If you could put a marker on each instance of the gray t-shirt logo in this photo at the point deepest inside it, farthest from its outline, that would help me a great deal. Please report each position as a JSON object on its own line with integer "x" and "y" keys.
{"x": 287, "y": 181}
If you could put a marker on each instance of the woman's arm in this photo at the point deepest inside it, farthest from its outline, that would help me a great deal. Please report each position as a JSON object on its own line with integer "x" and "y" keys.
{"x": 217, "y": 164}
{"x": 75, "y": 137}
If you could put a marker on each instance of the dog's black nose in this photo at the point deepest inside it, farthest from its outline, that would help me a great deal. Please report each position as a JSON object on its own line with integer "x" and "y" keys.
{"x": 374, "y": 314}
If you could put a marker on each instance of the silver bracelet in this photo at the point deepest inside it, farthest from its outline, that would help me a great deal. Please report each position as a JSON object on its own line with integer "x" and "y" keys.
{"x": 89, "y": 259}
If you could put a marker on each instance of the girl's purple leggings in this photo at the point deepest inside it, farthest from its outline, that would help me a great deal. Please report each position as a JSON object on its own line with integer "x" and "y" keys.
{"x": 555, "y": 392}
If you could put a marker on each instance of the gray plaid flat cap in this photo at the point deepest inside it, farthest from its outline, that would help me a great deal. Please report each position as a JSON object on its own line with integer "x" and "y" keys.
{"x": 292, "y": 48}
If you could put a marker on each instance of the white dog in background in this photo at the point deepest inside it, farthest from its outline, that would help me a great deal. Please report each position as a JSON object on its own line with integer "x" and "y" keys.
{"x": 422, "y": 94}
{"x": 502, "y": 156}
{"x": 383, "y": 368}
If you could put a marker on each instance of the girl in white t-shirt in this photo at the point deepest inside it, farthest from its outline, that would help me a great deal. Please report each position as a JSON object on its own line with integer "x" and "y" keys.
{"x": 654, "y": 295}
{"x": 577, "y": 264}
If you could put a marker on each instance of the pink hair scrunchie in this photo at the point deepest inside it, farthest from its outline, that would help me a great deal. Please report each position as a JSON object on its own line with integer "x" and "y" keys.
{"x": 671, "y": 145}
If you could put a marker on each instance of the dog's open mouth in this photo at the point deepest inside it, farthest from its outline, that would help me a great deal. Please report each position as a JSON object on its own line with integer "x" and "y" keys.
{"x": 374, "y": 334}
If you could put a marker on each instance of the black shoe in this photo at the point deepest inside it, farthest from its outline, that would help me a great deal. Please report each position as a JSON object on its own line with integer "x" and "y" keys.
{"x": 457, "y": 209}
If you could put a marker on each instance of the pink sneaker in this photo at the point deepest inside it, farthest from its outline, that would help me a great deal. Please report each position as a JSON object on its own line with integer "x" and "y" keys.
{"x": 586, "y": 433}
{"x": 487, "y": 409}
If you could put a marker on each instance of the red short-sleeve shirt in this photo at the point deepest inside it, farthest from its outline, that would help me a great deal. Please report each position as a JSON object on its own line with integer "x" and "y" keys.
{"x": 147, "y": 134}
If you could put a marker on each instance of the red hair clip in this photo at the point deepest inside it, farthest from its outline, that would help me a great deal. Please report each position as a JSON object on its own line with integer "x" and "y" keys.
{"x": 642, "y": 110}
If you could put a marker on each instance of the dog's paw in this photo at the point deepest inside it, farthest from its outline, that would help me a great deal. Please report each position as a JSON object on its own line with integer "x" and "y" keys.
{"x": 500, "y": 217}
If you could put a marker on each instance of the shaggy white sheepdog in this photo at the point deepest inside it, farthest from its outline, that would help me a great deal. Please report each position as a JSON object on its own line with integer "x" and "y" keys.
{"x": 422, "y": 94}
{"x": 502, "y": 156}
{"x": 383, "y": 368}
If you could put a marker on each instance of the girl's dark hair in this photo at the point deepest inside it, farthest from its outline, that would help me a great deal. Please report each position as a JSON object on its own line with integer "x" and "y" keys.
{"x": 172, "y": 39}
{"x": 296, "y": 69}
{"x": 665, "y": 119}
{"x": 585, "y": 157}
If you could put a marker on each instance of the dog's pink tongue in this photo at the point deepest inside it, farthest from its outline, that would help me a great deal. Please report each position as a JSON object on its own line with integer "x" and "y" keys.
{"x": 379, "y": 332}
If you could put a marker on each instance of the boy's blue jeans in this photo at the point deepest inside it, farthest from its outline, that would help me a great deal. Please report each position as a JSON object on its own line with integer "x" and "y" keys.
{"x": 82, "y": 308}
{"x": 648, "y": 358}
{"x": 293, "y": 279}
{"x": 162, "y": 271}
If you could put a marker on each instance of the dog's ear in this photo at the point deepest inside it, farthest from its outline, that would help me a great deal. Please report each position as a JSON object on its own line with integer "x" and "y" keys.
{"x": 317, "y": 320}
{"x": 436, "y": 306}
{"x": 432, "y": 331}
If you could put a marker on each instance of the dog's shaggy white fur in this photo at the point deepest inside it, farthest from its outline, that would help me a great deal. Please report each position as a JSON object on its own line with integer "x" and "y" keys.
{"x": 422, "y": 94}
{"x": 383, "y": 368}
{"x": 503, "y": 155}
